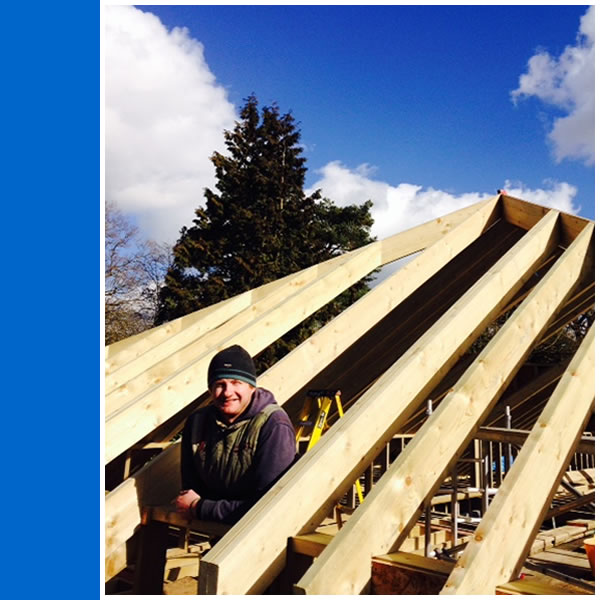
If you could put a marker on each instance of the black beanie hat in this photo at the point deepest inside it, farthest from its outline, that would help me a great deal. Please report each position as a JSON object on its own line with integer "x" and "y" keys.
{"x": 232, "y": 363}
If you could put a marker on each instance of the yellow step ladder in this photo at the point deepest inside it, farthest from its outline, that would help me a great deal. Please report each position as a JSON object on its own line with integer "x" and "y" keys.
{"x": 324, "y": 400}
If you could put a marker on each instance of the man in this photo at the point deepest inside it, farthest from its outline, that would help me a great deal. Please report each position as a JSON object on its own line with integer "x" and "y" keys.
{"x": 233, "y": 450}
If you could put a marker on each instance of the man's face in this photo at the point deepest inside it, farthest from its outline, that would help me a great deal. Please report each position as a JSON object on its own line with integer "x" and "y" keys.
{"x": 231, "y": 397}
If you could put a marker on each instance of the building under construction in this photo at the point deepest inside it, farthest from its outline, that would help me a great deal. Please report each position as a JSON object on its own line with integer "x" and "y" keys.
{"x": 453, "y": 461}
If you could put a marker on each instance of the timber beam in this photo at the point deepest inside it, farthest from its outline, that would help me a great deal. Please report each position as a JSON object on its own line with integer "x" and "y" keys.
{"x": 506, "y": 532}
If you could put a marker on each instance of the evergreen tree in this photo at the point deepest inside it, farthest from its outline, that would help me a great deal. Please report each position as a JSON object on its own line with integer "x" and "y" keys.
{"x": 260, "y": 225}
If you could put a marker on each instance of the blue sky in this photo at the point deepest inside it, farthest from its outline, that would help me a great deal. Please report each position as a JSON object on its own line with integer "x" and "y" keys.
{"x": 422, "y": 109}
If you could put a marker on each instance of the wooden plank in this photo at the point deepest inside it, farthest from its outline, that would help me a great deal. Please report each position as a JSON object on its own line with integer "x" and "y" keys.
{"x": 556, "y": 536}
{"x": 166, "y": 513}
{"x": 585, "y": 524}
{"x": 581, "y": 477}
{"x": 522, "y": 214}
{"x": 390, "y": 510}
{"x": 223, "y": 319}
{"x": 586, "y": 445}
{"x": 563, "y": 556}
{"x": 143, "y": 413}
{"x": 290, "y": 374}
{"x": 506, "y": 531}
{"x": 571, "y": 505}
{"x": 393, "y": 248}
{"x": 158, "y": 482}
{"x": 403, "y": 574}
{"x": 415, "y": 562}
{"x": 309, "y": 489}
{"x": 571, "y": 226}
{"x": 309, "y": 544}
{"x": 537, "y": 588}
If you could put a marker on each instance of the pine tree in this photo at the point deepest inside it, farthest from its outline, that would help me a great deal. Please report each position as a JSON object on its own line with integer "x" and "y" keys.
{"x": 260, "y": 225}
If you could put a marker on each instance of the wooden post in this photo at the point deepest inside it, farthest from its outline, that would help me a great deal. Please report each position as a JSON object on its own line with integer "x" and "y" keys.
{"x": 305, "y": 492}
{"x": 385, "y": 518}
{"x": 503, "y": 538}
{"x": 455, "y": 506}
{"x": 152, "y": 557}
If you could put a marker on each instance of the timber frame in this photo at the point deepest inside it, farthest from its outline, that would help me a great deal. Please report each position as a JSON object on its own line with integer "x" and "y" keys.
{"x": 437, "y": 354}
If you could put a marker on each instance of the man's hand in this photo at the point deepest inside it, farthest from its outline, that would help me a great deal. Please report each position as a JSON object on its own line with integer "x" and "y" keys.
{"x": 186, "y": 503}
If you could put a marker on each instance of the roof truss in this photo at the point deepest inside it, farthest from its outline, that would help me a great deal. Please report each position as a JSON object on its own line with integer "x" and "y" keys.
{"x": 411, "y": 333}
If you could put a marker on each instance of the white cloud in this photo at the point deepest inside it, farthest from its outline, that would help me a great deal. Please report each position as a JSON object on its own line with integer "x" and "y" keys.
{"x": 396, "y": 208}
{"x": 568, "y": 84}
{"x": 164, "y": 117}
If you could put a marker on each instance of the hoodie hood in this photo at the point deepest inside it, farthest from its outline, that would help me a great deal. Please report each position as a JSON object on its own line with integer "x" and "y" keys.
{"x": 260, "y": 399}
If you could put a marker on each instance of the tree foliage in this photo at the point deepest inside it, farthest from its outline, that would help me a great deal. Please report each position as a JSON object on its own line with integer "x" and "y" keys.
{"x": 134, "y": 271}
{"x": 260, "y": 225}
{"x": 555, "y": 348}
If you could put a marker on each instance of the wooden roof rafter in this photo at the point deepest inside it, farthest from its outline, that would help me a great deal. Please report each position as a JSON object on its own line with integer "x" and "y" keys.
{"x": 154, "y": 376}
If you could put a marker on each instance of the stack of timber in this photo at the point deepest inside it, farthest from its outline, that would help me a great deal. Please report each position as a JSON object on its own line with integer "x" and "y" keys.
{"x": 410, "y": 361}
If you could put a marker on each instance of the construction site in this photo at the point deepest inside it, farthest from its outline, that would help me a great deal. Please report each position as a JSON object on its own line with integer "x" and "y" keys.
{"x": 437, "y": 454}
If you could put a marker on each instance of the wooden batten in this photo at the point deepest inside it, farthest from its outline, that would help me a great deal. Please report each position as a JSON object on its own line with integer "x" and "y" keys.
{"x": 503, "y": 538}
{"x": 384, "y": 520}
{"x": 306, "y": 492}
